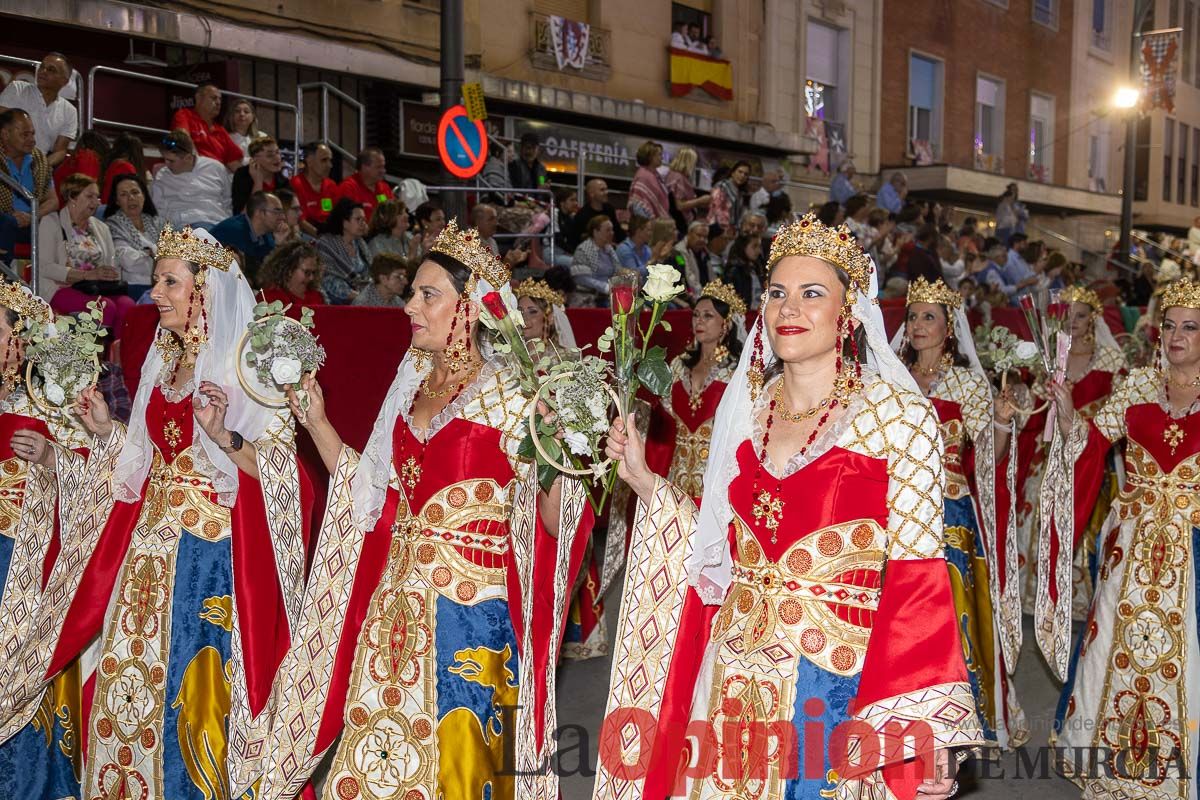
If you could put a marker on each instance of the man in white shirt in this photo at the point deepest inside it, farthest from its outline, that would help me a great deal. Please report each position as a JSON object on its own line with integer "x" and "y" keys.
{"x": 55, "y": 121}
{"x": 772, "y": 184}
{"x": 190, "y": 189}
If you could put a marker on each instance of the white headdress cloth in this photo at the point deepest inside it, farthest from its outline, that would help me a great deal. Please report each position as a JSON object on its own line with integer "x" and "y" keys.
{"x": 562, "y": 326}
{"x": 229, "y": 304}
{"x": 709, "y": 566}
{"x": 964, "y": 341}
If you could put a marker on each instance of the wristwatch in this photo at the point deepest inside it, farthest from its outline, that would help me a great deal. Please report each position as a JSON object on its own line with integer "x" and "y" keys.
{"x": 235, "y": 443}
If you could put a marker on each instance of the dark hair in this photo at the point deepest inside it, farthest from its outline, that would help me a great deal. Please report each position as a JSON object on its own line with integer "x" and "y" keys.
{"x": 147, "y": 205}
{"x": 529, "y": 137}
{"x": 562, "y": 194}
{"x": 205, "y": 85}
{"x": 779, "y": 206}
{"x": 258, "y": 202}
{"x": 1017, "y": 237}
{"x": 311, "y": 147}
{"x": 927, "y": 233}
{"x": 365, "y": 155}
{"x": 692, "y": 355}
{"x": 9, "y": 117}
{"x": 286, "y": 197}
{"x": 990, "y": 242}
{"x": 908, "y": 354}
{"x": 261, "y": 143}
{"x": 1033, "y": 251}
{"x": 128, "y": 147}
{"x": 385, "y": 264}
{"x": 828, "y": 212}
{"x": 909, "y": 214}
{"x": 283, "y": 260}
{"x": 740, "y": 163}
{"x": 93, "y": 140}
{"x": 343, "y": 209}
{"x": 636, "y": 223}
{"x": 179, "y": 141}
{"x": 856, "y": 204}
{"x": 737, "y": 250}
{"x": 425, "y": 211}
{"x": 594, "y": 224}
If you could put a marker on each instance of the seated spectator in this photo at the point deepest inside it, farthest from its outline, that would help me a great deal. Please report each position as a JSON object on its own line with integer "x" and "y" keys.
{"x": 260, "y": 175}
{"x": 772, "y": 185}
{"x": 953, "y": 267}
{"x": 566, "y": 204}
{"x": 126, "y": 156}
{"x": 527, "y": 171}
{"x": 779, "y": 213}
{"x": 389, "y": 280}
{"x": 1017, "y": 271}
{"x": 714, "y": 48}
{"x": 77, "y": 257}
{"x": 388, "y": 231}
{"x": 680, "y": 186}
{"x": 648, "y": 194}
{"x": 252, "y": 232}
{"x": 753, "y": 223}
{"x": 431, "y": 219}
{"x": 55, "y": 121}
{"x": 663, "y": 235}
{"x": 891, "y": 196}
{"x": 841, "y": 188}
{"x": 209, "y": 137}
{"x": 857, "y": 209}
{"x": 315, "y": 190}
{"x": 634, "y": 252}
{"x": 242, "y": 124}
{"x": 719, "y": 240}
{"x": 741, "y": 268}
{"x": 135, "y": 225}
{"x": 594, "y": 263}
{"x": 991, "y": 274}
{"x": 84, "y": 159}
{"x": 190, "y": 189}
{"x": 967, "y": 236}
{"x": 922, "y": 261}
{"x": 831, "y": 214}
{"x": 595, "y": 194}
{"x": 691, "y": 257}
{"x": 728, "y": 202}
{"x": 486, "y": 220}
{"x": 291, "y": 275}
{"x": 344, "y": 253}
{"x": 288, "y": 227}
{"x": 27, "y": 165}
{"x": 367, "y": 186}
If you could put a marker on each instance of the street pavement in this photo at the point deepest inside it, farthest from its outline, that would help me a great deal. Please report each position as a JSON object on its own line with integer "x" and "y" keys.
{"x": 583, "y": 688}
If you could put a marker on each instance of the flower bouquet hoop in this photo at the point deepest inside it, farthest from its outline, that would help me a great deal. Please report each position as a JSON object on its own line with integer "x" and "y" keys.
{"x": 275, "y": 353}
{"x": 66, "y": 354}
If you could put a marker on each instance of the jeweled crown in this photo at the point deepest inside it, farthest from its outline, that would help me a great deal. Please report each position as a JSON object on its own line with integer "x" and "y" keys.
{"x": 540, "y": 290}
{"x": 718, "y": 290}
{"x": 808, "y": 236}
{"x": 922, "y": 291}
{"x": 187, "y": 246}
{"x": 27, "y": 305}
{"x": 1182, "y": 293}
{"x": 467, "y": 248}
{"x": 1081, "y": 294}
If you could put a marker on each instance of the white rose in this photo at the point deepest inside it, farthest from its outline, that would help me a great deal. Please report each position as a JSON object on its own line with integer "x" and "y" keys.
{"x": 1025, "y": 350}
{"x": 285, "y": 371}
{"x": 54, "y": 393}
{"x": 662, "y": 283}
{"x": 578, "y": 443}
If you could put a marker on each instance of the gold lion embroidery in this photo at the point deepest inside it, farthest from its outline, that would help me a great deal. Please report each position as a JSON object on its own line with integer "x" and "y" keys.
{"x": 478, "y": 748}
{"x": 218, "y": 611}
{"x": 203, "y": 703}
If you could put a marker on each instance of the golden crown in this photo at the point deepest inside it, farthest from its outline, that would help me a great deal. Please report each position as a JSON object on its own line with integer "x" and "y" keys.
{"x": 718, "y": 290}
{"x": 922, "y": 291}
{"x": 466, "y": 248}
{"x": 1182, "y": 293}
{"x": 808, "y": 236}
{"x": 187, "y": 246}
{"x": 27, "y": 305}
{"x": 1081, "y": 294}
{"x": 539, "y": 290}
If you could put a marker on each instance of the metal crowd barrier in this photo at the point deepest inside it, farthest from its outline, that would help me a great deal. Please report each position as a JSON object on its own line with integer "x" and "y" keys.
{"x": 34, "y": 270}
{"x": 326, "y": 90}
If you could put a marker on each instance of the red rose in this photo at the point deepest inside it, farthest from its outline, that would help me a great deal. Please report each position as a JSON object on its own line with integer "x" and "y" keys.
{"x": 1058, "y": 310}
{"x": 622, "y": 299}
{"x": 494, "y": 303}
{"x": 1026, "y": 302}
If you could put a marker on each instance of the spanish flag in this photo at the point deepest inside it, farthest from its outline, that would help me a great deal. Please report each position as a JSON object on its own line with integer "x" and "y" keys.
{"x": 693, "y": 70}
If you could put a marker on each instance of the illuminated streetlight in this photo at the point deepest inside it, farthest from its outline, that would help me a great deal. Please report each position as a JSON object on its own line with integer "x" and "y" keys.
{"x": 1126, "y": 98}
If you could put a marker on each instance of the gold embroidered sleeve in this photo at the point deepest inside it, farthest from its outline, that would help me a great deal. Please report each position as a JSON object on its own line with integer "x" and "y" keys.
{"x": 915, "y": 480}
{"x": 975, "y": 399}
{"x": 1140, "y": 386}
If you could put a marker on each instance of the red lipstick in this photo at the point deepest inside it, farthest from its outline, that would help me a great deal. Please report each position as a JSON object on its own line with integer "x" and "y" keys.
{"x": 790, "y": 330}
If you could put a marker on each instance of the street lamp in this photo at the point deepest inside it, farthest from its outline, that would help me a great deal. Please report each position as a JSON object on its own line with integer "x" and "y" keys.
{"x": 1126, "y": 101}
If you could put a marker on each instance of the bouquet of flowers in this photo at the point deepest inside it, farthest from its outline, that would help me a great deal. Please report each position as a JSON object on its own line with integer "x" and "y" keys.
{"x": 570, "y": 391}
{"x": 1000, "y": 351}
{"x": 280, "y": 350}
{"x": 66, "y": 353}
{"x": 1047, "y": 320}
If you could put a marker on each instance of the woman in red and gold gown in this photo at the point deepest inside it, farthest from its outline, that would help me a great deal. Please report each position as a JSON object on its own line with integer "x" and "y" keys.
{"x": 41, "y": 756}
{"x": 186, "y": 556}
{"x": 981, "y": 551}
{"x": 820, "y": 544}
{"x": 1095, "y": 365}
{"x": 439, "y": 588}
{"x": 1134, "y": 682}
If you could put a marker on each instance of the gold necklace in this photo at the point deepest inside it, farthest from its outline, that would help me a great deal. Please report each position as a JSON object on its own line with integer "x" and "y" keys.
{"x": 796, "y": 416}
{"x": 453, "y": 386}
{"x": 1192, "y": 384}
{"x": 943, "y": 365}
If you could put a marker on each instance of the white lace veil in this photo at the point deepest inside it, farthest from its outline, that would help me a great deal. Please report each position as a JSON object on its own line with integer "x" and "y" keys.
{"x": 709, "y": 565}
{"x": 964, "y": 341}
{"x": 562, "y": 326}
{"x": 229, "y": 306}
{"x": 1104, "y": 334}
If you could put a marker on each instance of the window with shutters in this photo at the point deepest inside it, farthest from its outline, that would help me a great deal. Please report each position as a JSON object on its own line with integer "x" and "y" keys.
{"x": 827, "y": 79}
{"x": 925, "y": 103}
{"x": 989, "y": 123}
{"x": 1041, "y": 137}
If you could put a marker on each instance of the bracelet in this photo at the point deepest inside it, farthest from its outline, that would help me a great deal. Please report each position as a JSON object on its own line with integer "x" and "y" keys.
{"x": 235, "y": 443}
{"x": 1002, "y": 426}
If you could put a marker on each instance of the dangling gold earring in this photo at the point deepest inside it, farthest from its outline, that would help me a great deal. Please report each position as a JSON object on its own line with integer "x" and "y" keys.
{"x": 11, "y": 371}
{"x": 755, "y": 373}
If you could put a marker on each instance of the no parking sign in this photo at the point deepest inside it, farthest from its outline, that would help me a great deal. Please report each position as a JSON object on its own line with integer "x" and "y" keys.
{"x": 462, "y": 143}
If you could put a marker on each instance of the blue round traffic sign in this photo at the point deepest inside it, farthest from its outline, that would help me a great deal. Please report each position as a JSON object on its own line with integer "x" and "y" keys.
{"x": 462, "y": 143}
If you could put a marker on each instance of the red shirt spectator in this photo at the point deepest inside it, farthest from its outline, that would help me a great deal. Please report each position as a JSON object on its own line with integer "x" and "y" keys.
{"x": 311, "y": 298}
{"x": 84, "y": 160}
{"x": 315, "y": 190}
{"x": 115, "y": 169}
{"x": 209, "y": 136}
{"x": 367, "y": 186}
{"x": 125, "y": 157}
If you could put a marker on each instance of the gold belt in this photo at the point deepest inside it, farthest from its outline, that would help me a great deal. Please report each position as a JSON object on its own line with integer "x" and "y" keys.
{"x": 772, "y": 578}
{"x": 1163, "y": 483}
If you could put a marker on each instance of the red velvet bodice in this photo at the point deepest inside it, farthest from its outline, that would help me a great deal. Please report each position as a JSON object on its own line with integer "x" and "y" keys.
{"x": 1091, "y": 391}
{"x": 1147, "y": 424}
{"x": 681, "y": 404}
{"x": 170, "y": 425}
